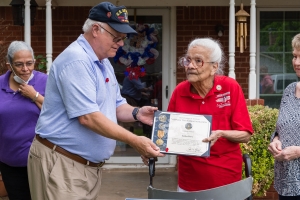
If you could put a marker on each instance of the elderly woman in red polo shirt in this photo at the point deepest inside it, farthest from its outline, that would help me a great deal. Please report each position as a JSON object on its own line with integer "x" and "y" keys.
{"x": 207, "y": 92}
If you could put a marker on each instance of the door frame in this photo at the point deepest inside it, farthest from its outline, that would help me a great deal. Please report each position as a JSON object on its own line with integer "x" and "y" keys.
{"x": 165, "y": 13}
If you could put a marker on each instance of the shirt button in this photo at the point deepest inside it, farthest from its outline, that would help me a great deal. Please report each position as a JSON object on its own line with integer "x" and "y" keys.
{"x": 203, "y": 102}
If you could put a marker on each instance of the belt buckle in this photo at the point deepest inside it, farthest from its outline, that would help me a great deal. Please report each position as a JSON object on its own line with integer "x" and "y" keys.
{"x": 101, "y": 164}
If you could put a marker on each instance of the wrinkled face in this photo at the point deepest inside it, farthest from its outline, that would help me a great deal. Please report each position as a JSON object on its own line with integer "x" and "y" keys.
{"x": 296, "y": 61}
{"x": 23, "y": 64}
{"x": 107, "y": 40}
{"x": 200, "y": 67}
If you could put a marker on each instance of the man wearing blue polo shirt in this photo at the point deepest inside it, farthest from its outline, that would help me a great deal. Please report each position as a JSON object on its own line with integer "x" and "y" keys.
{"x": 77, "y": 128}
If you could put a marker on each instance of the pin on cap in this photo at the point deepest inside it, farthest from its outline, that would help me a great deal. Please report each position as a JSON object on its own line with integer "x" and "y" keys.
{"x": 115, "y": 17}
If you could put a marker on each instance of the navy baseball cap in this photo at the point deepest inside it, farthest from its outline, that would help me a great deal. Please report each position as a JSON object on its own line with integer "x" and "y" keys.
{"x": 115, "y": 17}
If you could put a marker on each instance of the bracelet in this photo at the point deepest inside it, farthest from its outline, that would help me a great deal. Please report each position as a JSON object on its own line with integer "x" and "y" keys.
{"x": 36, "y": 96}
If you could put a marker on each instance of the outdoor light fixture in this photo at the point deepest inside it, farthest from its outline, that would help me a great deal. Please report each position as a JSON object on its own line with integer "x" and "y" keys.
{"x": 18, "y": 11}
{"x": 220, "y": 30}
{"x": 241, "y": 28}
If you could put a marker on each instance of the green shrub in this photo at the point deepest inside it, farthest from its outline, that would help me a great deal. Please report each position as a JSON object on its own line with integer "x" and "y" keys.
{"x": 263, "y": 121}
{"x": 41, "y": 62}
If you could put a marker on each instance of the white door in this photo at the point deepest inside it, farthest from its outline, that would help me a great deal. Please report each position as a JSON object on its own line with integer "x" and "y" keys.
{"x": 149, "y": 51}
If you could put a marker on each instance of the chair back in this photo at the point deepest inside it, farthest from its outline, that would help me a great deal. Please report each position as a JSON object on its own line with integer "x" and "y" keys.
{"x": 234, "y": 191}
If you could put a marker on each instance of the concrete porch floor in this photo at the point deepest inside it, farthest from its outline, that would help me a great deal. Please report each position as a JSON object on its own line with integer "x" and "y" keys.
{"x": 119, "y": 184}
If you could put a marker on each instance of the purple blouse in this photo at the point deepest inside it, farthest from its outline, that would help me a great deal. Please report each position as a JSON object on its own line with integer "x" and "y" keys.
{"x": 18, "y": 117}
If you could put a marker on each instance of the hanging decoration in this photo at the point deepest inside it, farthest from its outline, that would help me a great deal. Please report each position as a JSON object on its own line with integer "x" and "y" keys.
{"x": 138, "y": 50}
{"x": 135, "y": 72}
{"x": 241, "y": 28}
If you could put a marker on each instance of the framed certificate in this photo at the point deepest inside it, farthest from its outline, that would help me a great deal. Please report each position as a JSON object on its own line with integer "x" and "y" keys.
{"x": 181, "y": 134}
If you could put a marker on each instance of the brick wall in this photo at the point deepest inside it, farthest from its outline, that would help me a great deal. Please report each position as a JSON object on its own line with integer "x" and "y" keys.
{"x": 7, "y": 31}
{"x": 67, "y": 25}
{"x": 270, "y": 195}
{"x": 193, "y": 22}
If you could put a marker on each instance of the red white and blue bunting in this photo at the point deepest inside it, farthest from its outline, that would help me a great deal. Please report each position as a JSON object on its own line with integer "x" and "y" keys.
{"x": 138, "y": 50}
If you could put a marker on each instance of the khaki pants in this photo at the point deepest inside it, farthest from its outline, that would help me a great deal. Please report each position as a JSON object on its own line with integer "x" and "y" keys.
{"x": 53, "y": 176}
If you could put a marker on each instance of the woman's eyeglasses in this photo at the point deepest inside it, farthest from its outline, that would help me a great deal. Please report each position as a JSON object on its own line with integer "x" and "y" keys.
{"x": 197, "y": 62}
{"x": 115, "y": 38}
{"x": 21, "y": 65}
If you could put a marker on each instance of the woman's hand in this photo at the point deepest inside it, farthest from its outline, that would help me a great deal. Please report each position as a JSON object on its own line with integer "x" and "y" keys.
{"x": 231, "y": 135}
{"x": 275, "y": 146}
{"x": 214, "y": 136}
{"x": 288, "y": 153}
{"x": 27, "y": 91}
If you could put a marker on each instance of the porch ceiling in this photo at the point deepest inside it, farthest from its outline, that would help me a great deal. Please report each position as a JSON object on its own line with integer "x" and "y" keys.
{"x": 154, "y": 3}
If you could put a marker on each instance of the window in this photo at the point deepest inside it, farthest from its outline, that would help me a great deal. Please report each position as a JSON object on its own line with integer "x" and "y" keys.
{"x": 276, "y": 30}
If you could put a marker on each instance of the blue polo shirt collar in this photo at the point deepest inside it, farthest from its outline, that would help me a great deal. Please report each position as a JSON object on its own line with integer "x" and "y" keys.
{"x": 87, "y": 48}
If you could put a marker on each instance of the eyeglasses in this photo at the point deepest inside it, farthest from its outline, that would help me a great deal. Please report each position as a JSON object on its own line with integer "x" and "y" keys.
{"x": 197, "y": 62}
{"x": 21, "y": 65}
{"x": 116, "y": 39}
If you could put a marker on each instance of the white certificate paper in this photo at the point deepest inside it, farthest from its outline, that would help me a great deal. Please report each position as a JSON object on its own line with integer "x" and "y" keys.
{"x": 182, "y": 134}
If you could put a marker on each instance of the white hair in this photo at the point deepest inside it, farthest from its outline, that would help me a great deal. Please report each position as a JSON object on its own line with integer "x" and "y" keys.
{"x": 16, "y": 46}
{"x": 216, "y": 55}
{"x": 88, "y": 25}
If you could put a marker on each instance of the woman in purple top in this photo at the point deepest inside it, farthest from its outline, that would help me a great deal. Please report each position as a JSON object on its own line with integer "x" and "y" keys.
{"x": 21, "y": 97}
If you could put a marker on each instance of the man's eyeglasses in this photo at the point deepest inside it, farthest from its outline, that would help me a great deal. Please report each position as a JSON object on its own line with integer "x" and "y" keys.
{"x": 197, "y": 62}
{"x": 21, "y": 65}
{"x": 115, "y": 38}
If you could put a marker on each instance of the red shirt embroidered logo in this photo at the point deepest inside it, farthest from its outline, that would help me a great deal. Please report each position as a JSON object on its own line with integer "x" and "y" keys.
{"x": 223, "y": 100}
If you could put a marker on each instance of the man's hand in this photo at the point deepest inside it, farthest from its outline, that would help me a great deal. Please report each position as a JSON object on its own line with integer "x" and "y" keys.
{"x": 145, "y": 160}
{"x": 146, "y": 147}
{"x": 146, "y": 114}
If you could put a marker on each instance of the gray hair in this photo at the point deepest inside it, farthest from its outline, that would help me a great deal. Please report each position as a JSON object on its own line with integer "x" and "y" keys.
{"x": 16, "y": 46}
{"x": 88, "y": 25}
{"x": 216, "y": 55}
{"x": 296, "y": 42}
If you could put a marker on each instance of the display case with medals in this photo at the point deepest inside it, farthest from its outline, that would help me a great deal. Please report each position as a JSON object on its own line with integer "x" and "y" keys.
{"x": 181, "y": 134}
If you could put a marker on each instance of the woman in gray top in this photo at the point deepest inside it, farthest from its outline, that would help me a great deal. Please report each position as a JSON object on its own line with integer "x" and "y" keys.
{"x": 285, "y": 142}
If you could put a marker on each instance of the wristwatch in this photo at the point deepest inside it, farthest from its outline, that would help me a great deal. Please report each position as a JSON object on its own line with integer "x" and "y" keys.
{"x": 135, "y": 112}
